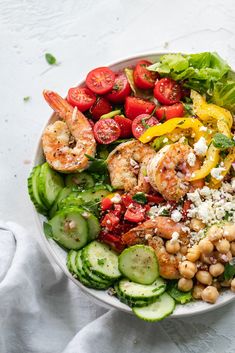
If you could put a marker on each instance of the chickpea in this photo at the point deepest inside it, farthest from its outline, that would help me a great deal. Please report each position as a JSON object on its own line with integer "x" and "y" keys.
{"x": 193, "y": 253}
{"x": 185, "y": 284}
{"x": 229, "y": 232}
{"x": 196, "y": 224}
{"x": 233, "y": 285}
{"x": 187, "y": 269}
{"x": 210, "y": 294}
{"x": 214, "y": 233}
{"x": 216, "y": 269}
{"x": 183, "y": 249}
{"x": 223, "y": 246}
{"x": 204, "y": 277}
{"x": 216, "y": 284}
{"x": 197, "y": 291}
{"x": 232, "y": 248}
{"x": 226, "y": 283}
{"x": 205, "y": 259}
{"x": 172, "y": 247}
{"x": 206, "y": 246}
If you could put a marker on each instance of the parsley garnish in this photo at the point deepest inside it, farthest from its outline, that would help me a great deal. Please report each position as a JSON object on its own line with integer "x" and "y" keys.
{"x": 26, "y": 99}
{"x": 143, "y": 122}
{"x": 140, "y": 198}
{"x": 101, "y": 261}
{"x": 222, "y": 142}
{"x": 229, "y": 271}
{"x": 50, "y": 59}
{"x": 188, "y": 108}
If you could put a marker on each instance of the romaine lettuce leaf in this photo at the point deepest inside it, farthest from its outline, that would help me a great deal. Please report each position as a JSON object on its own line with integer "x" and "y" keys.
{"x": 224, "y": 95}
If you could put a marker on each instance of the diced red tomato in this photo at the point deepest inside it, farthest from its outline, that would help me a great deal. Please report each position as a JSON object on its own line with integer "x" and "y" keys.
{"x": 141, "y": 123}
{"x": 118, "y": 209}
{"x": 144, "y": 78}
{"x": 125, "y": 126}
{"x": 106, "y": 131}
{"x": 127, "y": 200}
{"x": 155, "y": 199}
{"x": 100, "y": 80}
{"x": 167, "y": 91}
{"x": 186, "y": 207}
{"x": 136, "y": 106}
{"x": 114, "y": 241}
{"x": 100, "y": 107}
{"x": 121, "y": 89}
{"x": 134, "y": 216}
{"x": 81, "y": 97}
{"x": 106, "y": 204}
{"x": 170, "y": 111}
{"x": 110, "y": 221}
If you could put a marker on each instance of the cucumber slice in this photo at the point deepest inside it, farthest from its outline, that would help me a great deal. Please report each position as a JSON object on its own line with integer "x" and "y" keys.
{"x": 139, "y": 264}
{"x": 93, "y": 225}
{"x": 96, "y": 194}
{"x": 162, "y": 307}
{"x": 71, "y": 261}
{"x": 83, "y": 180}
{"x": 62, "y": 195}
{"x": 71, "y": 200}
{"x": 69, "y": 228}
{"x": 50, "y": 184}
{"x": 101, "y": 260}
{"x": 33, "y": 190}
{"x": 133, "y": 302}
{"x": 131, "y": 290}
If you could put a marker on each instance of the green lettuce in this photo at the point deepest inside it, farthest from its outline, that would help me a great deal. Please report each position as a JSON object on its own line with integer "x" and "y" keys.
{"x": 204, "y": 72}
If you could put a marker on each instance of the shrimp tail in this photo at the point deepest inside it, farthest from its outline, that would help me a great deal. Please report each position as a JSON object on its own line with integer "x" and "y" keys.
{"x": 57, "y": 103}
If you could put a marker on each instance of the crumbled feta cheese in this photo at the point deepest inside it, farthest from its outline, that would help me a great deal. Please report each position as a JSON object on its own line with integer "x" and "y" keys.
{"x": 191, "y": 159}
{"x": 174, "y": 237}
{"x": 203, "y": 128}
{"x": 116, "y": 198}
{"x": 165, "y": 140}
{"x": 216, "y": 173}
{"x": 200, "y": 147}
{"x": 176, "y": 216}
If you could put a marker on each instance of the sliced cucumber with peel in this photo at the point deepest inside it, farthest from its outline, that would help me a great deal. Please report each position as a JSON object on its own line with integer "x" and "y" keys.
{"x": 83, "y": 180}
{"x": 139, "y": 264}
{"x": 69, "y": 228}
{"x": 101, "y": 260}
{"x": 33, "y": 182}
{"x": 136, "y": 291}
{"x": 161, "y": 308}
{"x": 62, "y": 195}
{"x": 50, "y": 183}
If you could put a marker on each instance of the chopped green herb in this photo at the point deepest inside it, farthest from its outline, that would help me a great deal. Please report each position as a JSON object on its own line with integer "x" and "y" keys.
{"x": 188, "y": 108}
{"x": 160, "y": 142}
{"x": 229, "y": 271}
{"x": 181, "y": 122}
{"x": 175, "y": 293}
{"x": 26, "y": 99}
{"x": 140, "y": 197}
{"x": 165, "y": 212}
{"x": 50, "y": 59}
{"x": 101, "y": 261}
{"x": 143, "y": 122}
{"x": 222, "y": 142}
{"x": 97, "y": 165}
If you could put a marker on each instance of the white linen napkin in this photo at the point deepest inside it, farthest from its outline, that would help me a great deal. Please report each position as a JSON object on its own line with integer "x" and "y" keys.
{"x": 41, "y": 311}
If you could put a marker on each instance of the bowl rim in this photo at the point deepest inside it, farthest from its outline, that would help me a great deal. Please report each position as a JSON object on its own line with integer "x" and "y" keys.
{"x": 49, "y": 250}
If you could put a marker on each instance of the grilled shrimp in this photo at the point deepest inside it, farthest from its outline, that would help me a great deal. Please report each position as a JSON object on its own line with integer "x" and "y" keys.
{"x": 66, "y": 142}
{"x": 127, "y": 165}
{"x": 170, "y": 170}
{"x": 152, "y": 232}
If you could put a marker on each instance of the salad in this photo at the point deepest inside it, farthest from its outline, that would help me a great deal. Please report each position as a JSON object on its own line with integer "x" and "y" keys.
{"x": 138, "y": 183}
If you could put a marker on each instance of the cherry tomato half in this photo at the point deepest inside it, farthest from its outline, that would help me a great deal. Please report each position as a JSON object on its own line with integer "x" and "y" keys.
{"x": 167, "y": 91}
{"x": 81, "y": 97}
{"x": 100, "y": 80}
{"x": 106, "y": 131}
{"x": 125, "y": 126}
{"x": 141, "y": 123}
{"x": 100, "y": 107}
{"x": 136, "y": 106}
{"x": 170, "y": 111}
{"x": 121, "y": 89}
{"x": 144, "y": 78}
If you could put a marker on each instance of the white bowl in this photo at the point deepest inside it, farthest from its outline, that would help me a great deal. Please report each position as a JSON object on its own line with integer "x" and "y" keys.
{"x": 101, "y": 296}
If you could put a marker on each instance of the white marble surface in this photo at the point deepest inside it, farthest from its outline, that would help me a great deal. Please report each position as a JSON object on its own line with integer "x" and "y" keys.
{"x": 82, "y": 35}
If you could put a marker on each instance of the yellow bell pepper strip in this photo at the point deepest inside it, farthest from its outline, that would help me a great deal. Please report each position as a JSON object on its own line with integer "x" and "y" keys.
{"x": 211, "y": 161}
{"x": 227, "y": 163}
{"x": 207, "y": 111}
{"x": 170, "y": 125}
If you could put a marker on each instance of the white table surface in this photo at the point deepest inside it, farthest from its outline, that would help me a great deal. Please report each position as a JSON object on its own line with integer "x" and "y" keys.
{"x": 83, "y": 35}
